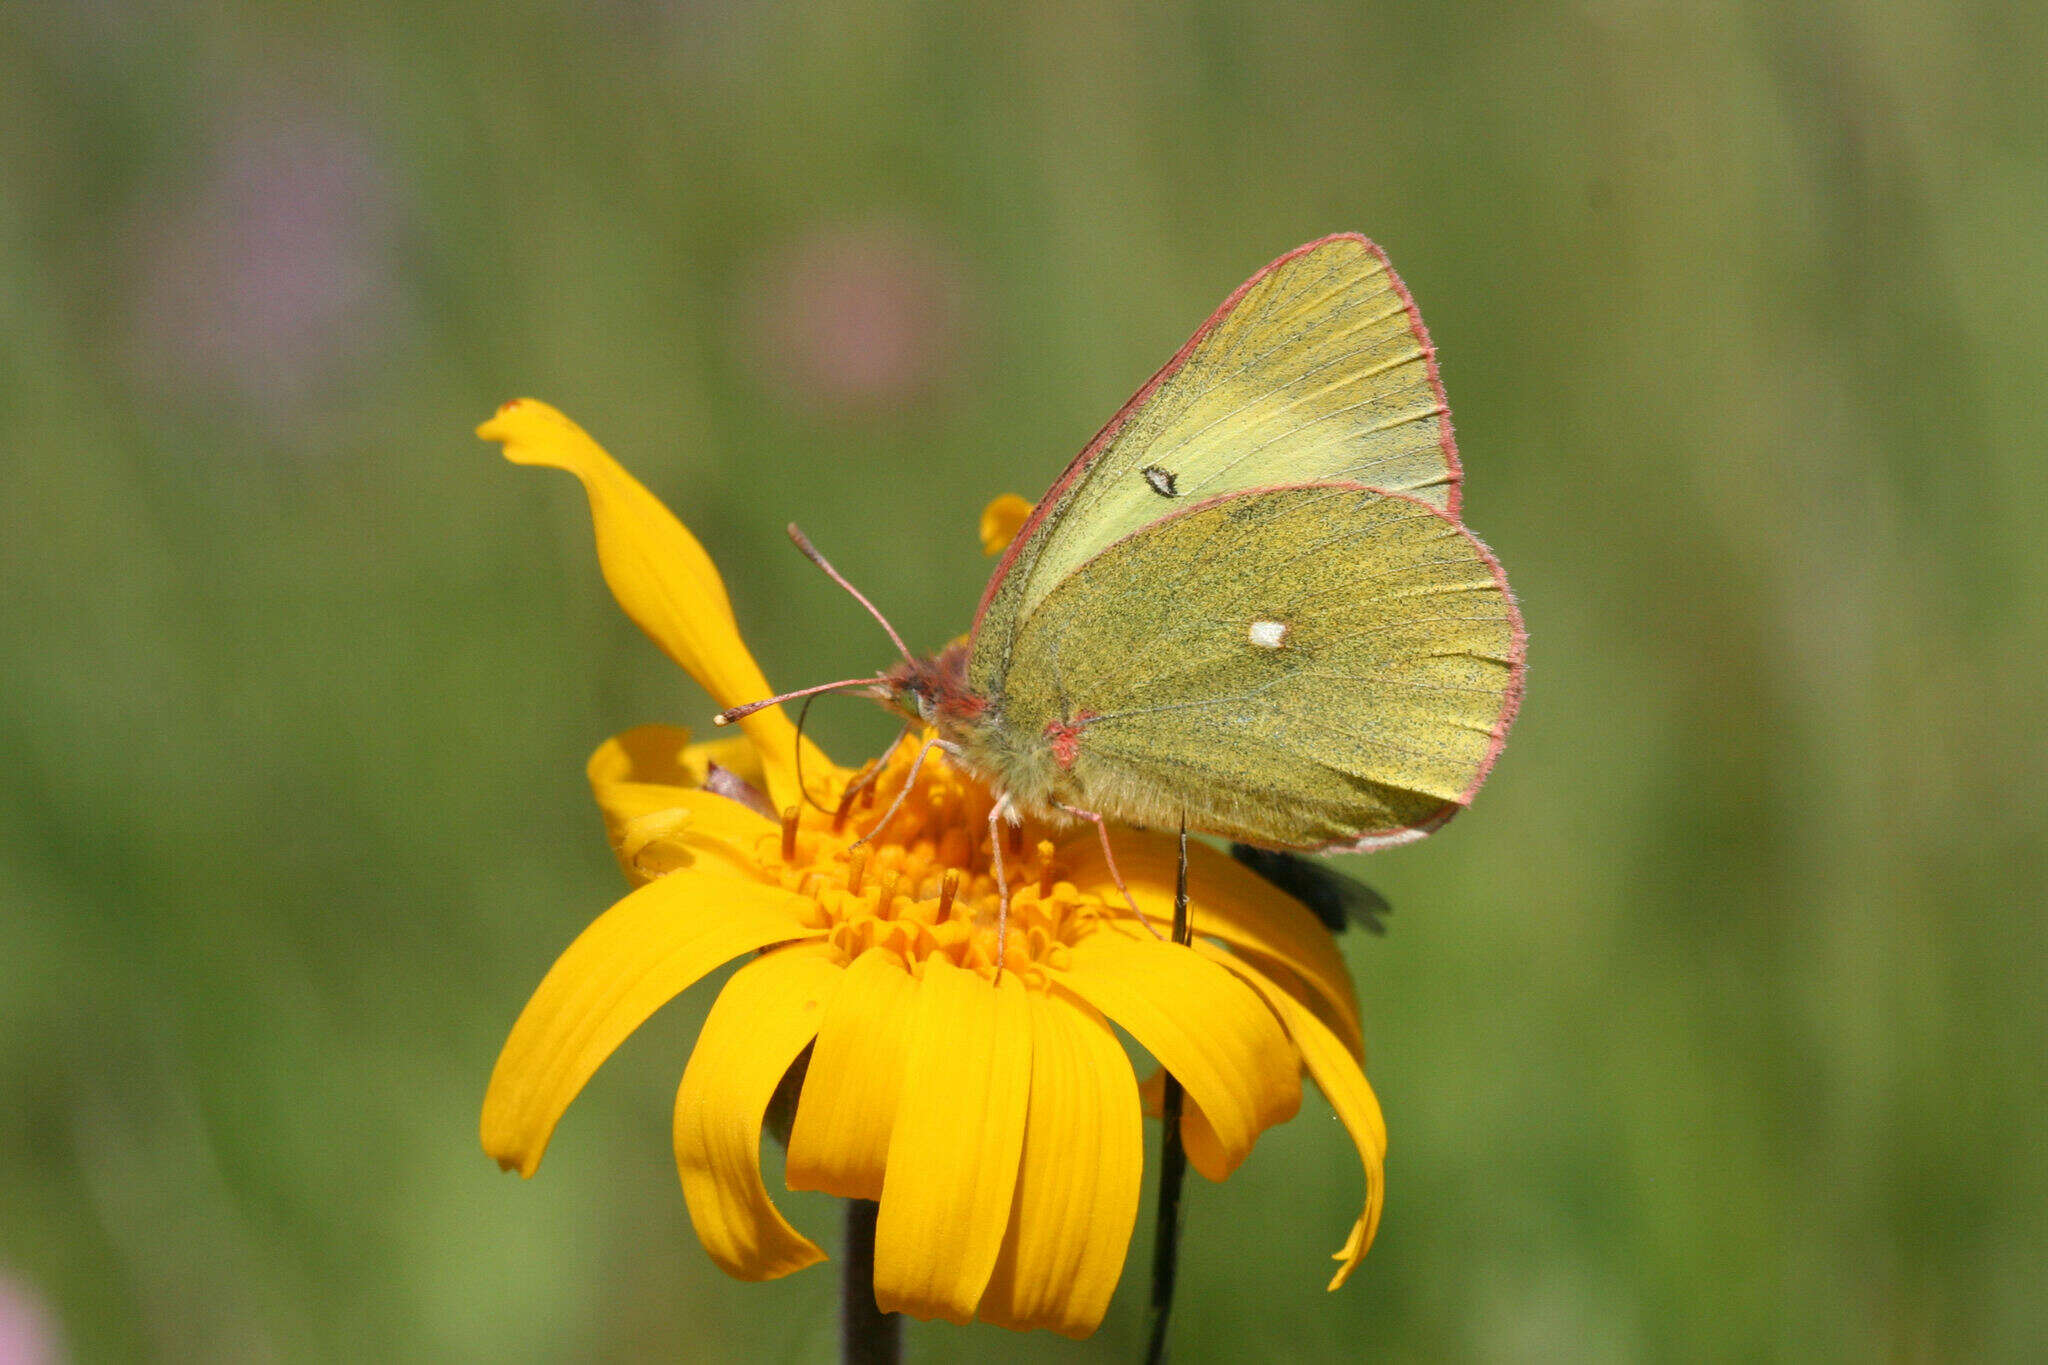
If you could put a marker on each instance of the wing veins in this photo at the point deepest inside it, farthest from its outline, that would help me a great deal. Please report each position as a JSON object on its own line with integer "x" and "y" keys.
{"x": 1420, "y": 621}
{"x": 1419, "y": 415}
{"x": 1219, "y": 348}
{"x": 1406, "y": 358}
{"x": 1338, "y": 539}
{"x": 1384, "y": 681}
{"x": 1242, "y": 734}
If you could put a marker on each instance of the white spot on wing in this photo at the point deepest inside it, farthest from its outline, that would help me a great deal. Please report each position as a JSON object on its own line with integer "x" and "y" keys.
{"x": 1269, "y": 634}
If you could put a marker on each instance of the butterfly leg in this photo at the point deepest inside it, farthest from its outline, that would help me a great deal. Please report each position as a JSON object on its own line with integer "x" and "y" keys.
{"x": 896, "y": 805}
{"x": 866, "y": 777}
{"x": 1001, "y": 808}
{"x": 1109, "y": 860}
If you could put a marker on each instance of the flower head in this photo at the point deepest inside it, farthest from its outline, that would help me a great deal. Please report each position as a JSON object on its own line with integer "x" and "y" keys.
{"x": 993, "y": 1114}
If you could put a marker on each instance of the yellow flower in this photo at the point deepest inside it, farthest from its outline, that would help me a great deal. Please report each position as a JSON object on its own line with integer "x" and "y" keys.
{"x": 995, "y": 1117}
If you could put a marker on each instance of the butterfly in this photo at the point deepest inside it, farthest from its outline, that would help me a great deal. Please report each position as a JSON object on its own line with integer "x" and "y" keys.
{"x": 1248, "y": 607}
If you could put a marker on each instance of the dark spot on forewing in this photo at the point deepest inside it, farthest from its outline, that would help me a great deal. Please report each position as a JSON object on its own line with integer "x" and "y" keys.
{"x": 1164, "y": 481}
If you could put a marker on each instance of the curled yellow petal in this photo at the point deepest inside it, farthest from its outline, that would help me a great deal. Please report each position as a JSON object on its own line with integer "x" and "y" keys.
{"x": 763, "y": 1019}
{"x": 1230, "y": 903}
{"x": 658, "y": 815}
{"x": 1338, "y": 1076}
{"x": 1000, "y": 522}
{"x": 632, "y": 960}
{"x": 959, "y": 1133}
{"x": 663, "y": 756}
{"x": 847, "y": 1113}
{"x": 1205, "y": 1151}
{"x": 1202, "y": 1024}
{"x": 660, "y": 576}
{"x": 1078, "y": 1183}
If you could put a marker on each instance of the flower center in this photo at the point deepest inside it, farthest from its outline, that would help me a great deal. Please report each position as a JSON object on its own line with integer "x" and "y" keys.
{"x": 921, "y": 881}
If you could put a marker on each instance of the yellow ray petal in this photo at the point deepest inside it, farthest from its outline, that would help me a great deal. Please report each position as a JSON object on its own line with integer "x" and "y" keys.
{"x": 840, "y": 1141}
{"x": 663, "y": 756}
{"x": 1338, "y": 1076}
{"x": 959, "y": 1132}
{"x": 1345, "y": 1026}
{"x": 765, "y": 1016}
{"x": 1202, "y": 1024}
{"x": 632, "y": 960}
{"x": 1152, "y": 1093}
{"x": 1205, "y": 1151}
{"x": 1077, "y": 1186}
{"x": 1231, "y": 903}
{"x": 656, "y": 827}
{"x": 660, "y": 576}
{"x": 1000, "y": 522}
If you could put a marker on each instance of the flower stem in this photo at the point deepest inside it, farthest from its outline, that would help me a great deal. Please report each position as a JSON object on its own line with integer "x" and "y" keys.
{"x": 1173, "y": 1158}
{"x": 867, "y": 1335}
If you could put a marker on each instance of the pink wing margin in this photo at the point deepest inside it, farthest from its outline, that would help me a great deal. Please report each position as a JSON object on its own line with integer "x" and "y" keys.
{"x": 1510, "y": 706}
{"x": 1102, "y": 438}
{"x": 1511, "y": 698}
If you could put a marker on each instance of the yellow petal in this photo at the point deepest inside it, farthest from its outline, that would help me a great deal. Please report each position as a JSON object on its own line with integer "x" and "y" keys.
{"x": 1206, "y": 1152}
{"x": 660, "y": 576}
{"x": 1202, "y": 1024}
{"x": 663, "y": 756}
{"x": 1000, "y": 522}
{"x": 1227, "y": 901}
{"x": 959, "y": 1133}
{"x": 737, "y": 755}
{"x": 1152, "y": 1093}
{"x": 634, "y": 776}
{"x": 640, "y": 771}
{"x": 1077, "y": 1186}
{"x": 1337, "y": 1075}
{"x": 632, "y": 960}
{"x": 840, "y": 1141}
{"x": 1198, "y": 1138}
{"x": 763, "y": 1019}
{"x": 658, "y": 824}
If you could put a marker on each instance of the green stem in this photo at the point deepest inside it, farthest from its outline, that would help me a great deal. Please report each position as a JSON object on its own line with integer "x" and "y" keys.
{"x": 867, "y": 1335}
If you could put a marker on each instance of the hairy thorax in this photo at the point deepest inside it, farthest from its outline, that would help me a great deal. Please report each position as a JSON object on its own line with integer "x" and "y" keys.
{"x": 1027, "y": 768}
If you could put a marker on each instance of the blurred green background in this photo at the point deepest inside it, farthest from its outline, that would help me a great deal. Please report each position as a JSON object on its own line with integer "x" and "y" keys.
{"x": 1716, "y": 1031}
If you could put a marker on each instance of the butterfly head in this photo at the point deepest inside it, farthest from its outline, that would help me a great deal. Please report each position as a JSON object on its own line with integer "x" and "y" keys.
{"x": 934, "y": 692}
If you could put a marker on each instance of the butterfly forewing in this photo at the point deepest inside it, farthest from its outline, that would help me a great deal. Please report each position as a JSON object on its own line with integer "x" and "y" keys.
{"x": 1316, "y": 369}
{"x": 1304, "y": 667}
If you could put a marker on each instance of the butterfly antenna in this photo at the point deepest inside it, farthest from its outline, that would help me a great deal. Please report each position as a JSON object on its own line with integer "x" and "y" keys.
{"x": 810, "y": 552}
{"x": 736, "y": 713}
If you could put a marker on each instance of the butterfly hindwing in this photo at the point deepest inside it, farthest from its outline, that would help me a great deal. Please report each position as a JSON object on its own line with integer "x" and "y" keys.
{"x": 1315, "y": 666}
{"x": 1317, "y": 369}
